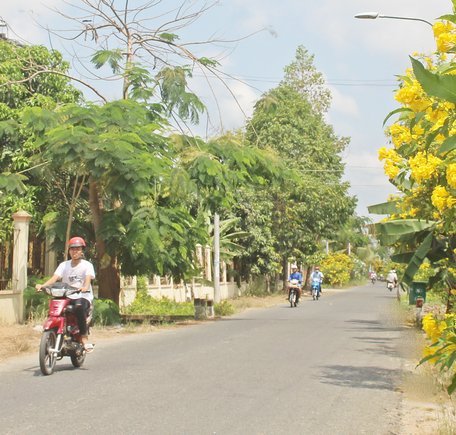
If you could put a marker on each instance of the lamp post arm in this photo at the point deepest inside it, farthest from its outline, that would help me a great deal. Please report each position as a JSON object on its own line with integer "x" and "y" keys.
{"x": 406, "y": 18}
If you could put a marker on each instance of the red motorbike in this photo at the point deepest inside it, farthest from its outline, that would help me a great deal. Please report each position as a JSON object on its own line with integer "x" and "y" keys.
{"x": 60, "y": 330}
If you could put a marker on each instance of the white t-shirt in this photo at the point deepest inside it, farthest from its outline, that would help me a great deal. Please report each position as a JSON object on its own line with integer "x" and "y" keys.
{"x": 392, "y": 276}
{"x": 75, "y": 277}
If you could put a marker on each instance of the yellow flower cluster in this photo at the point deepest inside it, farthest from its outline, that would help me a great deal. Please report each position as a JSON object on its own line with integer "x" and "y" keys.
{"x": 392, "y": 159}
{"x": 388, "y": 154}
{"x": 451, "y": 175}
{"x": 423, "y": 166}
{"x": 445, "y": 36}
{"x": 412, "y": 95}
{"x": 441, "y": 199}
{"x": 400, "y": 134}
{"x": 437, "y": 117}
{"x": 432, "y": 327}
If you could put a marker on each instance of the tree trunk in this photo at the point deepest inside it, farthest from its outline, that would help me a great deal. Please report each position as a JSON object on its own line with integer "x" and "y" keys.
{"x": 285, "y": 272}
{"x": 306, "y": 280}
{"x": 108, "y": 275}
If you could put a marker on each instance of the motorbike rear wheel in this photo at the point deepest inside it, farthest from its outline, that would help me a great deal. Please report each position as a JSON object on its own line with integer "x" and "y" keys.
{"x": 47, "y": 358}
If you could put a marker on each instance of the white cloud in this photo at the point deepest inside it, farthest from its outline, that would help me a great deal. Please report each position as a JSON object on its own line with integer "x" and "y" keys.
{"x": 24, "y": 19}
{"x": 343, "y": 103}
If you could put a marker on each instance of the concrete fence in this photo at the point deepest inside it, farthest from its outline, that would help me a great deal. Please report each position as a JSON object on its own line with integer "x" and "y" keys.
{"x": 12, "y": 299}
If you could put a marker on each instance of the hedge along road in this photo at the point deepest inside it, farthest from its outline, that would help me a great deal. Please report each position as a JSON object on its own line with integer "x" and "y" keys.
{"x": 326, "y": 367}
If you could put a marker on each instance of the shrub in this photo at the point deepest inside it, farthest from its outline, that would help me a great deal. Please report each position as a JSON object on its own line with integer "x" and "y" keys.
{"x": 257, "y": 287}
{"x": 337, "y": 269}
{"x": 105, "y": 312}
{"x": 224, "y": 308}
{"x": 145, "y": 304}
{"x": 36, "y": 304}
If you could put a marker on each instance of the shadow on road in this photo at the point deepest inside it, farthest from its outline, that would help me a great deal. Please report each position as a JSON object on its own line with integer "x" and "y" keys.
{"x": 379, "y": 345}
{"x": 376, "y": 378}
{"x": 372, "y": 325}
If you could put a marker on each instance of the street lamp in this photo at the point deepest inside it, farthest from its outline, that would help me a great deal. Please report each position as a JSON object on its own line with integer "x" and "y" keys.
{"x": 375, "y": 15}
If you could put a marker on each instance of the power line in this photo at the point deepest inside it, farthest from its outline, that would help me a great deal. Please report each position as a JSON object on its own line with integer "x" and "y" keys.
{"x": 333, "y": 82}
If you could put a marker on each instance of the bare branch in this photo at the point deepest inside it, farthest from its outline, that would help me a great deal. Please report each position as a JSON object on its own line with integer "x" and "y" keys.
{"x": 59, "y": 73}
{"x": 146, "y": 32}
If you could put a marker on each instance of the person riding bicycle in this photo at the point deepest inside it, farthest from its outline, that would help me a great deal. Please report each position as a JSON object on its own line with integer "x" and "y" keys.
{"x": 317, "y": 276}
{"x": 77, "y": 273}
{"x": 295, "y": 275}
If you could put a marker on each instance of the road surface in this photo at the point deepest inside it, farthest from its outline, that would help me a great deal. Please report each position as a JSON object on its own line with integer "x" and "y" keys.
{"x": 331, "y": 366}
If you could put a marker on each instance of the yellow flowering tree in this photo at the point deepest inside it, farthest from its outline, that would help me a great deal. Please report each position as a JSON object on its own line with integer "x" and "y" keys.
{"x": 420, "y": 160}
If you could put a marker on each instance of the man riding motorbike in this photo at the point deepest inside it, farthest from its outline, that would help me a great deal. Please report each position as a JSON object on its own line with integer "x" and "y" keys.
{"x": 295, "y": 275}
{"x": 391, "y": 279}
{"x": 317, "y": 275}
{"x": 77, "y": 273}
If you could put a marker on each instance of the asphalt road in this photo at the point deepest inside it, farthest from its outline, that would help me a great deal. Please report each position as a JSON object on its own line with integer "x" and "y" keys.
{"x": 326, "y": 367}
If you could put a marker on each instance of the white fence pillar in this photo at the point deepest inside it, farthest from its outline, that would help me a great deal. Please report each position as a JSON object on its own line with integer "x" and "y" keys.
{"x": 20, "y": 257}
{"x": 208, "y": 265}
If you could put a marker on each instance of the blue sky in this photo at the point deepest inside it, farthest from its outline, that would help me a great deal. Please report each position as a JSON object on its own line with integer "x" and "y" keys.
{"x": 358, "y": 58}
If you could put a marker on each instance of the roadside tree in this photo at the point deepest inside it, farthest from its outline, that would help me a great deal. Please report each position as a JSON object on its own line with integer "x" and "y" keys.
{"x": 22, "y": 86}
{"x": 312, "y": 202}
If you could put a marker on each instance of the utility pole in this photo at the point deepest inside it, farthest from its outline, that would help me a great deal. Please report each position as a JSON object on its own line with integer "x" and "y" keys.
{"x": 217, "y": 296}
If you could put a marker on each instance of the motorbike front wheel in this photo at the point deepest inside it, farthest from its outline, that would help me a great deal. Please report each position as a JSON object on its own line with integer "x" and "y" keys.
{"x": 292, "y": 300}
{"x": 78, "y": 360}
{"x": 47, "y": 358}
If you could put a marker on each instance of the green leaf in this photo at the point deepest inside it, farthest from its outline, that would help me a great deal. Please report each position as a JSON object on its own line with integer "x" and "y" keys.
{"x": 208, "y": 62}
{"x": 383, "y": 208}
{"x": 448, "y": 17}
{"x": 448, "y": 145}
{"x": 451, "y": 359}
{"x": 169, "y": 37}
{"x": 112, "y": 57}
{"x": 13, "y": 183}
{"x": 400, "y": 229}
{"x": 435, "y": 85}
{"x": 401, "y": 109}
{"x": 452, "y": 387}
{"x": 417, "y": 259}
{"x": 403, "y": 257}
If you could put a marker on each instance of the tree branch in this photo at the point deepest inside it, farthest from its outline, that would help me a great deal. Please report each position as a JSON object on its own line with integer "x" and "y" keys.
{"x": 46, "y": 71}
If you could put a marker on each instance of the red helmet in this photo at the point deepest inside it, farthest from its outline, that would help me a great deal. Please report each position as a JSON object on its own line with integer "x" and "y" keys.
{"x": 76, "y": 242}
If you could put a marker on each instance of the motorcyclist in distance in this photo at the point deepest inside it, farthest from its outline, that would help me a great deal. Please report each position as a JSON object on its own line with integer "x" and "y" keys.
{"x": 77, "y": 273}
{"x": 373, "y": 277}
{"x": 392, "y": 277}
{"x": 295, "y": 275}
{"x": 317, "y": 275}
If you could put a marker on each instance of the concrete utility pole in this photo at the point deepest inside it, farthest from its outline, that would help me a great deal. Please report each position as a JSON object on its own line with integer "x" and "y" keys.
{"x": 217, "y": 296}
